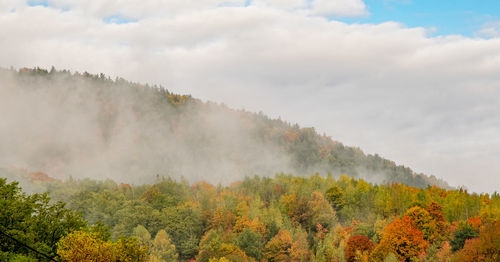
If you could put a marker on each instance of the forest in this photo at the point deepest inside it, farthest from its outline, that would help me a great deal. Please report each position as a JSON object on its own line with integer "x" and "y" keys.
{"x": 110, "y": 170}
{"x": 87, "y": 125}
{"x": 280, "y": 218}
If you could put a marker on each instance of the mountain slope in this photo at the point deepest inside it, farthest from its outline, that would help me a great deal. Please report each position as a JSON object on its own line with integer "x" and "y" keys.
{"x": 85, "y": 125}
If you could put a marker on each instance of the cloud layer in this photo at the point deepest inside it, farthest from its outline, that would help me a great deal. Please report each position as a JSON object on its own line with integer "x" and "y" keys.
{"x": 427, "y": 102}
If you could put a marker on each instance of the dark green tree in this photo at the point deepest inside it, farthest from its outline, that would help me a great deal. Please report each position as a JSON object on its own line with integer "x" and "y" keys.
{"x": 464, "y": 232}
{"x": 250, "y": 242}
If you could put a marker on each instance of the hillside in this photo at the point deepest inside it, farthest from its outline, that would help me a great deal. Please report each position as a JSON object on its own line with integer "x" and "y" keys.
{"x": 82, "y": 125}
{"x": 267, "y": 219}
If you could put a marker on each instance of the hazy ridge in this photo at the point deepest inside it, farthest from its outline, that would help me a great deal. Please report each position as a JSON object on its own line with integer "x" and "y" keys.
{"x": 82, "y": 125}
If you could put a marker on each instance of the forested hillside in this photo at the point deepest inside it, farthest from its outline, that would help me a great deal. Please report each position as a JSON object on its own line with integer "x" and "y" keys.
{"x": 82, "y": 125}
{"x": 128, "y": 172}
{"x": 284, "y": 218}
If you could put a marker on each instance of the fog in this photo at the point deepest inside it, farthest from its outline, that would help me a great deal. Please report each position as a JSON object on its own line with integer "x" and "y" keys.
{"x": 76, "y": 127}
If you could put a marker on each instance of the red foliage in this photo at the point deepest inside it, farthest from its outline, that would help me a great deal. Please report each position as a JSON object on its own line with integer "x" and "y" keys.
{"x": 471, "y": 251}
{"x": 125, "y": 187}
{"x": 291, "y": 135}
{"x": 357, "y": 243}
{"x": 475, "y": 222}
{"x": 41, "y": 177}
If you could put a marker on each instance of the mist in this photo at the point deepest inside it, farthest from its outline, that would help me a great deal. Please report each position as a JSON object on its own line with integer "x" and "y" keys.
{"x": 73, "y": 126}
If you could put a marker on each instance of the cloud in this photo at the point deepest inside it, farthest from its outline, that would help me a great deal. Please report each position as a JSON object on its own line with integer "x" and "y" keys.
{"x": 338, "y": 8}
{"x": 491, "y": 30}
{"x": 169, "y": 8}
{"x": 426, "y": 102}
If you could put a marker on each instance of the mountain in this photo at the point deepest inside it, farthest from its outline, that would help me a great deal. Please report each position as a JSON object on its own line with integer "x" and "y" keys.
{"x": 82, "y": 125}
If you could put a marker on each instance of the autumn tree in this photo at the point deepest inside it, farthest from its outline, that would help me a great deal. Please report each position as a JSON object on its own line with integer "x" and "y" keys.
{"x": 484, "y": 248}
{"x": 299, "y": 252}
{"x": 424, "y": 221}
{"x": 279, "y": 247}
{"x": 355, "y": 244}
{"x": 335, "y": 195}
{"x": 403, "y": 238}
{"x": 213, "y": 246}
{"x": 162, "y": 249}
{"x": 322, "y": 211}
{"x": 86, "y": 246}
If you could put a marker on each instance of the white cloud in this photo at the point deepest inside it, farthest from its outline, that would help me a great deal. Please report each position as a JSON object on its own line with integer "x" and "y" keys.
{"x": 427, "y": 102}
{"x": 146, "y": 9}
{"x": 338, "y": 7}
{"x": 490, "y": 30}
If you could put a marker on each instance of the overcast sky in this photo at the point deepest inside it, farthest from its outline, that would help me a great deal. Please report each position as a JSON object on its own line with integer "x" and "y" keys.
{"x": 367, "y": 73}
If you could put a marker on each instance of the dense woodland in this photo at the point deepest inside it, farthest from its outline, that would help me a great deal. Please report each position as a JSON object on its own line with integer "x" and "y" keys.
{"x": 255, "y": 214}
{"x": 166, "y": 134}
{"x": 285, "y": 218}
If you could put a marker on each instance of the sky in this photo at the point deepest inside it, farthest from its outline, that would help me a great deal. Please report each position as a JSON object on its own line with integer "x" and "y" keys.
{"x": 415, "y": 81}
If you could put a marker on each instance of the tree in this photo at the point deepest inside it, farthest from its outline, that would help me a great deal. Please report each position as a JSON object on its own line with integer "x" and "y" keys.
{"x": 484, "y": 248}
{"x": 356, "y": 244}
{"x": 142, "y": 234}
{"x": 212, "y": 246}
{"x": 322, "y": 211}
{"x": 424, "y": 221}
{"x": 298, "y": 209}
{"x": 30, "y": 225}
{"x": 130, "y": 250}
{"x": 162, "y": 249}
{"x": 464, "y": 232}
{"x": 299, "y": 252}
{"x": 183, "y": 225}
{"x": 250, "y": 242}
{"x": 87, "y": 246}
{"x": 436, "y": 212}
{"x": 279, "y": 247}
{"x": 335, "y": 195}
{"x": 403, "y": 238}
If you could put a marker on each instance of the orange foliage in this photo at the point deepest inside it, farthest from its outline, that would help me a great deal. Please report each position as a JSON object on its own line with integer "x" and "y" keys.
{"x": 299, "y": 251}
{"x": 279, "y": 247}
{"x": 444, "y": 252}
{"x": 244, "y": 222}
{"x": 41, "y": 177}
{"x": 403, "y": 238}
{"x": 474, "y": 222}
{"x": 222, "y": 219}
{"x": 471, "y": 251}
{"x": 321, "y": 232}
{"x": 357, "y": 243}
{"x": 125, "y": 187}
{"x": 291, "y": 135}
{"x": 151, "y": 194}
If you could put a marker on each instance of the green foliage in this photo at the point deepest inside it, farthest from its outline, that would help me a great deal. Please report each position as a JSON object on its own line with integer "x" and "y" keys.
{"x": 250, "y": 242}
{"x": 183, "y": 225}
{"x": 285, "y": 218}
{"x": 464, "y": 232}
{"x": 335, "y": 195}
{"x": 162, "y": 248}
{"x": 33, "y": 221}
